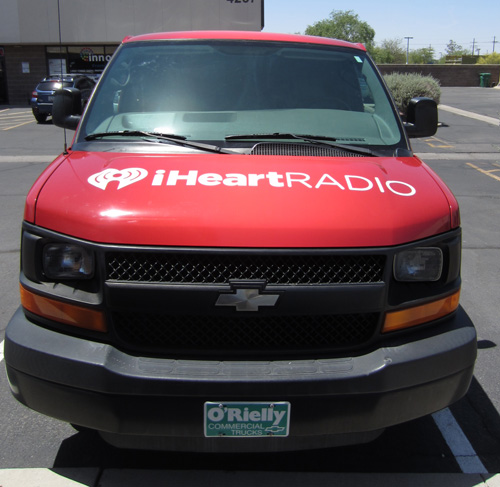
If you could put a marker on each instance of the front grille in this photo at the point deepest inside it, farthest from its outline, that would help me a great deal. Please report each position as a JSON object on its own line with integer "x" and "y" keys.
{"x": 216, "y": 268}
{"x": 216, "y": 335}
{"x": 183, "y": 333}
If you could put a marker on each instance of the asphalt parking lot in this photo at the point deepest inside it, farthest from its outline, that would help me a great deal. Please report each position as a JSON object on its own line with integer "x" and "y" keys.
{"x": 466, "y": 153}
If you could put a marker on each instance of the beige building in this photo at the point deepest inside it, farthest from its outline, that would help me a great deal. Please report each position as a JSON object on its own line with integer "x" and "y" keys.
{"x": 44, "y": 37}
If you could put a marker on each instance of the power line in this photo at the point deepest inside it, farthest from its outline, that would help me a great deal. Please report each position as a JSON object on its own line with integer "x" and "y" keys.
{"x": 446, "y": 43}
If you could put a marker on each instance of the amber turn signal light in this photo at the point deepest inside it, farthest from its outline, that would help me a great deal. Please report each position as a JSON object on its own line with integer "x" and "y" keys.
{"x": 66, "y": 313}
{"x": 406, "y": 318}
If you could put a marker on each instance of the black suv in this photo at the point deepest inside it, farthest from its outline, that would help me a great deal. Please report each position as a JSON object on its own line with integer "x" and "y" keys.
{"x": 43, "y": 95}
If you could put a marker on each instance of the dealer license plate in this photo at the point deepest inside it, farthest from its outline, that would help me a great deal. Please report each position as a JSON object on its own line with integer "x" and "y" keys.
{"x": 246, "y": 419}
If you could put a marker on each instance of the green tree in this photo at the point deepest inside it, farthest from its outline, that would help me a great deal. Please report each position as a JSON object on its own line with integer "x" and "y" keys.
{"x": 454, "y": 49}
{"x": 493, "y": 58}
{"x": 425, "y": 55}
{"x": 345, "y": 25}
{"x": 390, "y": 51}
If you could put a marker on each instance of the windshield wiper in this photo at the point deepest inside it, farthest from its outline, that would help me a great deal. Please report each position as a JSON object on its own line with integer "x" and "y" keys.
{"x": 160, "y": 137}
{"x": 132, "y": 133}
{"x": 313, "y": 139}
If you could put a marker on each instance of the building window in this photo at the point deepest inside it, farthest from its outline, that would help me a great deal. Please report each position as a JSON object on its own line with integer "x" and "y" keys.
{"x": 78, "y": 59}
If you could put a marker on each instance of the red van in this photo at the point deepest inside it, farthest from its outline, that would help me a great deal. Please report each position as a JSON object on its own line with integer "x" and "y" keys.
{"x": 240, "y": 252}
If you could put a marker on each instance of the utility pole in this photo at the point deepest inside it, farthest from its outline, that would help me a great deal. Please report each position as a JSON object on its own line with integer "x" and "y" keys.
{"x": 473, "y": 45}
{"x": 494, "y": 42}
{"x": 407, "y": 48}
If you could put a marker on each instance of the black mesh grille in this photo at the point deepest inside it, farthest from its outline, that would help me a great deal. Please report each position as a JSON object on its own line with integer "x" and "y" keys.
{"x": 250, "y": 335}
{"x": 283, "y": 149}
{"x": 283, "y": 269}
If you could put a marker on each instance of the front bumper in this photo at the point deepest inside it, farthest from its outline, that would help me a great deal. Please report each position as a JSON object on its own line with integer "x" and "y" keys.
{"x": 141, "y": 402}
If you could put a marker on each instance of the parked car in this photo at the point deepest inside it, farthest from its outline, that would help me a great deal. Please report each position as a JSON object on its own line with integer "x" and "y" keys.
{"x": 240, "y": 252}
{"x": 42, "y": 97}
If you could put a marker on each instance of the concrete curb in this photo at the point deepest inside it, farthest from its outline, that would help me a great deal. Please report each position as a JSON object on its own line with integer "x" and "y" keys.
{"x": 93, "y": 477}
{"x": 459, "y": 156}
{"x": 41, "y": 159}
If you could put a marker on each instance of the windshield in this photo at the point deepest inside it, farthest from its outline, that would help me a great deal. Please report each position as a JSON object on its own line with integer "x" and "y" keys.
{"x": 216, "y": 90}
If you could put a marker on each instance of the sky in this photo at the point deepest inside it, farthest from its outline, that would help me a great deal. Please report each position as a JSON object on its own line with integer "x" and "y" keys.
{"x": 429, "y": 22}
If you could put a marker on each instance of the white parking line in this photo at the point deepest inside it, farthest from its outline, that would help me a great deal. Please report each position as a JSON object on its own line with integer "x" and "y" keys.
{"x": 475, "y": 116}
{"x": 1, "y": 351}
{"x": 458, "y": 443}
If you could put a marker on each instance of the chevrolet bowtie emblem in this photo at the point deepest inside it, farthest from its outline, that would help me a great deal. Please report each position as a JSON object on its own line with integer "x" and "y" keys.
{"x": 247, "y": 299}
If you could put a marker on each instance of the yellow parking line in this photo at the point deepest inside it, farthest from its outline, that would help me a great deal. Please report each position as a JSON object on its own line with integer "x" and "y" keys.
{"x": 16, "y": 114}
{"x": 21, "y": 124}
{"x": 13, "y": 120}
{"x": 444, "y": 144}
{"x": 483, "y": 171}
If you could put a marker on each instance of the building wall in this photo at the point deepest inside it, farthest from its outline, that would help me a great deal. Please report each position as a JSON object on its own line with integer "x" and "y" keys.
{"x": 20, "y": 82}
{"x": 28, "y": 27}
{"x": 109, "y": 21}
{"x": 447, "y": 74}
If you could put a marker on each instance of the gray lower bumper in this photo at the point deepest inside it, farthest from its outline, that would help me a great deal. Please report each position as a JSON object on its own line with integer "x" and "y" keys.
{"x": 158, "y": 403}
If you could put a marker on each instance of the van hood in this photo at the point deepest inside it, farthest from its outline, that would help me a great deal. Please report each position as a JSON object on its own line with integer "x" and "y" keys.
{"x": 214, "y": 200}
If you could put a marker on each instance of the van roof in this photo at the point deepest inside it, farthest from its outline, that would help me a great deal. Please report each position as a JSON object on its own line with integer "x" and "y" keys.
{"x": 242, "y": 35}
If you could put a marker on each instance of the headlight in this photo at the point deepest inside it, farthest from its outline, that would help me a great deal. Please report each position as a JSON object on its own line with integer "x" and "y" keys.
{"x": 67, "y": 261}
{"x": 417, "y": 265}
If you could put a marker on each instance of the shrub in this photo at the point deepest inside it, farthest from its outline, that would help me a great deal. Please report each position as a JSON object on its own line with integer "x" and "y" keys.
{"x": 405, "y": 86}
{"x": 493, "y": 58}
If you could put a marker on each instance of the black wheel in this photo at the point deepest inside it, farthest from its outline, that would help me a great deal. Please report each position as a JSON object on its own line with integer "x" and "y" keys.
{"x": 40, "y": 117}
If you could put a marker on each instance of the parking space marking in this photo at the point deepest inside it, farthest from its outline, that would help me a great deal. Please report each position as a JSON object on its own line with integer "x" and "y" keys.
{"x": 488, "y": 172}
{"x": 15, "y": 111}
{"x": 1, "y": 351}
{"x": 458, "y": 443}
{"x": 11, "y": 119}
{"x": 443, "y": 145}
{"x": 12, "y": 114}
{"x": 475, "y": 116}
{"x": 18, "y": 125}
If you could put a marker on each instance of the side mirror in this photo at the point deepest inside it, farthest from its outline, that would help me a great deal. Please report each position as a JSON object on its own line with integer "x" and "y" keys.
{"x": 67, "y": 108}
{"x": 421, "y": 117}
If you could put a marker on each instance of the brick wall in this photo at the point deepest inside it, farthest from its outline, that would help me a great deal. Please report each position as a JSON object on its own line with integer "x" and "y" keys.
{"x": 19, "y": 84}
{"x": 447, "y": 74}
